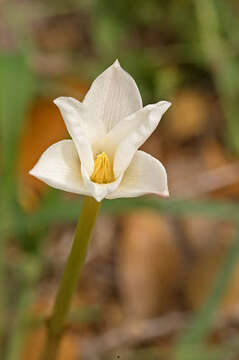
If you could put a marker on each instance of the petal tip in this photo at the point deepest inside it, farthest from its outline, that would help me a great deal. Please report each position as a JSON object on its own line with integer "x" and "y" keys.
{"x": 166, "y": 104}
{"x": 160, "y": 108}
{"x": 165, "y": 193}
{"x": 34, "y": 171}
{"x": 57, "y": 100}
{"x": 31, "y": 172}
{"x": 63, "y": 99}
{"x": 116, "y": 64}
{"x": 98, "y": 197}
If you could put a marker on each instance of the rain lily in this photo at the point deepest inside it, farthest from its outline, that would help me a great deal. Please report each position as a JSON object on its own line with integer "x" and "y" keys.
{"x": 102, "y": 160}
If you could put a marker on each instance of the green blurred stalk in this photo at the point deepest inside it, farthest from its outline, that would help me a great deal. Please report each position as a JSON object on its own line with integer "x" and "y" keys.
{"x": 223, "y": 66}
{"x": 68, "y": 283}
{"x": 30, "y": 270}
{"x": 4, "y": 224}
{"x": 16, "y": 91}
{"x": 198, "y": 331}
{"x": 60, "y": 209}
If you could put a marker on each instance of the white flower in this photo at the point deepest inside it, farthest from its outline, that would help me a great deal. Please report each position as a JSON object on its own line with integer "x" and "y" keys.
{"x": 102, "y": 159}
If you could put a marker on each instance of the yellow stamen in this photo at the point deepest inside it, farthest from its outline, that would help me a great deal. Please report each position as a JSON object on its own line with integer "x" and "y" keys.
{"x": 103, "y": 171}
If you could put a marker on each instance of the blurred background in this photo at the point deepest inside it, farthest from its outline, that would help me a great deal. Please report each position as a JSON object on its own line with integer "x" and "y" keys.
{"x": 162, "y": 276}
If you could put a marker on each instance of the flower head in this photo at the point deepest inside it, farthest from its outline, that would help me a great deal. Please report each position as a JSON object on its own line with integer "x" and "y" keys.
{"x": 102, "y": 159}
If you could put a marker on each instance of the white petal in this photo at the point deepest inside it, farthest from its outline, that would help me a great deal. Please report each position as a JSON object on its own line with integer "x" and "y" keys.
{"x": 59, "y": 166}
{"x": 145, "y": 175}
{"x": 99, "y": 191}
{"x": 130, "y": 133}
{"x": 75, "y": 116}
{"x": 112, "y": 96}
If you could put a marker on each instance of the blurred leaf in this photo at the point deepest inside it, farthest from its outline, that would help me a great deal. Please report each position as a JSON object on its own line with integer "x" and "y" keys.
{"x": 30, "y": 269}
{"x": 199, "y": 329}
{"x": 223, "y": 65}
{"x": 55, "y": 209}
{"x": 214, "y": 209}
{"x": 16, "y": 90}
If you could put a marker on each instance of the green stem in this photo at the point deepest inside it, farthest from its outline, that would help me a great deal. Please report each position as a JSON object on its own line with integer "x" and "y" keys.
{"x": 69, "y": 280}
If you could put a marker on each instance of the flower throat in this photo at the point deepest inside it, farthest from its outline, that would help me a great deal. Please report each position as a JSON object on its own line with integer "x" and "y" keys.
{"x": 103, "y": 170}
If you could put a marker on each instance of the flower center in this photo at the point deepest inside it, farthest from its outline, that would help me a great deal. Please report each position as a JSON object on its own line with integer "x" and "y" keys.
{"x": 103, "y": 171}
